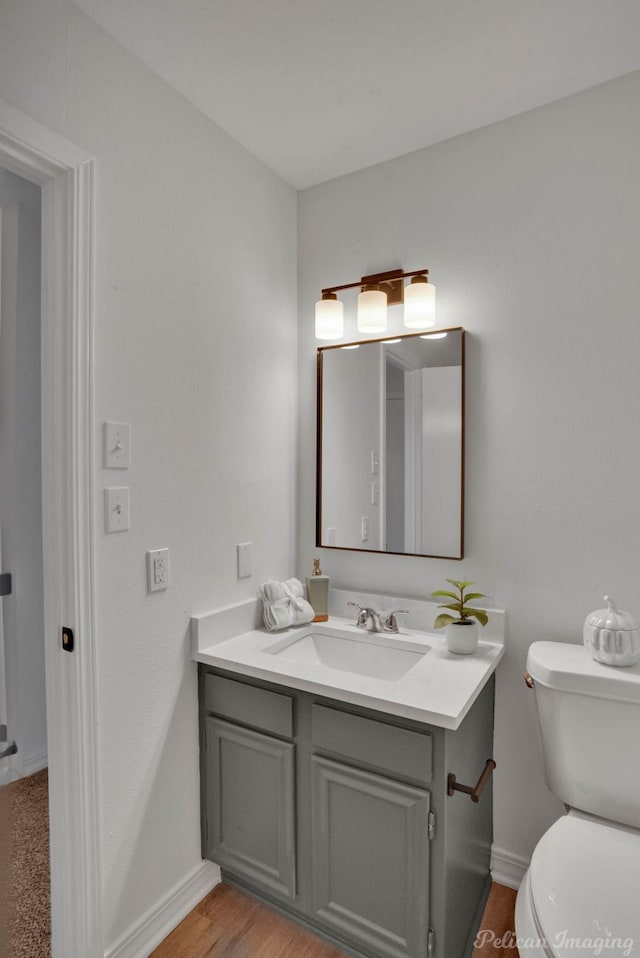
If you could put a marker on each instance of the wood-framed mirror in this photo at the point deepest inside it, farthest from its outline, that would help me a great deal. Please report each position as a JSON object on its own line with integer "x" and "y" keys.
{"x": 390, "y": 445}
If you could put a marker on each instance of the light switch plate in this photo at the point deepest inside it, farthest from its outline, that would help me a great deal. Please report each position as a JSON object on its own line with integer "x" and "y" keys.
{"x": 157, "y": 570}
{"x": 116, "y": 509}
{"x": 244, "y": 560}
{"x": 117, "y": 445}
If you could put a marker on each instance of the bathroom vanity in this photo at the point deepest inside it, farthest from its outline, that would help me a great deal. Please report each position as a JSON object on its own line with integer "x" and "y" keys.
{"x": 335, "y": 812}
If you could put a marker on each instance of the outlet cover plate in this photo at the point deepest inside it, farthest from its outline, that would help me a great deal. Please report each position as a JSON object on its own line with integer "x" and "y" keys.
{"x": 157, "y": 570}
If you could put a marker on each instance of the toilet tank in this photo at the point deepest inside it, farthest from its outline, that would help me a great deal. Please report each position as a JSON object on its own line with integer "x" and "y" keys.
{"x": 589, "y": 717}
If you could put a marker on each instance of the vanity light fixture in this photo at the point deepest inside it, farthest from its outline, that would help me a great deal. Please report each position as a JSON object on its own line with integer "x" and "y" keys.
{"x": 378, "y": 291}
{"x": 420, "y": 303}
{"x": 329, "y": 317}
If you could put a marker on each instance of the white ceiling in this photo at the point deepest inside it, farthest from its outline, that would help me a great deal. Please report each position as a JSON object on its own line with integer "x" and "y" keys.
{"x": 319, "y": 88}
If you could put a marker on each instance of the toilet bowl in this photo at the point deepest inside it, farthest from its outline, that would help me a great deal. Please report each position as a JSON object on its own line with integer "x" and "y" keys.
{"x": 581, "y": 893}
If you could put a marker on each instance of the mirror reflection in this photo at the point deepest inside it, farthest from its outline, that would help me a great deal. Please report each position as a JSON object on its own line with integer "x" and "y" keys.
{"x": 390, "y": 445}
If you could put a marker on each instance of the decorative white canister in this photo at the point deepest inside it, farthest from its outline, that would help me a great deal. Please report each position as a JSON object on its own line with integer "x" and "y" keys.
{"x": 612, "y": 636}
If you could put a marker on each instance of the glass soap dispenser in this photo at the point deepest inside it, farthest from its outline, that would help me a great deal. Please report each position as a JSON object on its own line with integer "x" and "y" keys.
{"x": 318, "y": 592}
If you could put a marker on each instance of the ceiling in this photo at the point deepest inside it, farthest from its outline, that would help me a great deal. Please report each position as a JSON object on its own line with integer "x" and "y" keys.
{"x": 319, "y": 88}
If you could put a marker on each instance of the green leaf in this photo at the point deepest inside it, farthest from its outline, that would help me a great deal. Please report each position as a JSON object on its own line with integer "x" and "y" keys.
{"x": 474, "y": 595}
{"x": 449, "y": 595}
{"x": 443, "y": 620}
{"x": 459, "y": 585}
{"x": 478, "y": 614}
{"x": 455, "y": 606}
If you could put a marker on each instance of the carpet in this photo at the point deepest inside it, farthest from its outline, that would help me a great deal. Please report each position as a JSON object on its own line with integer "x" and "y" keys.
{"x": 28, "y": 919}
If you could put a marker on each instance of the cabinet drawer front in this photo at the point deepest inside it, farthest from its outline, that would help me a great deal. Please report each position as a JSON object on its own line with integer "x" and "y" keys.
{"x": 400, "y": 751}
{"x": 266, "y": 710}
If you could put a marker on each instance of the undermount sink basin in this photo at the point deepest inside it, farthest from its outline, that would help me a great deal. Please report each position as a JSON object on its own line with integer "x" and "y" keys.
{"x": 373, "y": 654}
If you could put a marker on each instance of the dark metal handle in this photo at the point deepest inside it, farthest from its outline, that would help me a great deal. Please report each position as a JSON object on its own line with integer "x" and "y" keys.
{"x": 10, "y": 750}
{"x": 475, "y": 791}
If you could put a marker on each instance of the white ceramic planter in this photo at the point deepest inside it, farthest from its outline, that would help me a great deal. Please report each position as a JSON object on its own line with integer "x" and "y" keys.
{"x": 462, "y": 638}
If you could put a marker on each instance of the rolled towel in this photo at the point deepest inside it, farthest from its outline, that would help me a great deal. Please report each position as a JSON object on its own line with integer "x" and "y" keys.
{"x": 284, "y": 604}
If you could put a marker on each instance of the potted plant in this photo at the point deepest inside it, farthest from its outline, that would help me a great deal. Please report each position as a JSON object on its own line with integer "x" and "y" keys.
{"x": 461, "y": 629}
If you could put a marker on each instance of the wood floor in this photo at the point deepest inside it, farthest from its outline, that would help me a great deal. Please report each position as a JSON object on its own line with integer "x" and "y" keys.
{"x": 228, "y": 924}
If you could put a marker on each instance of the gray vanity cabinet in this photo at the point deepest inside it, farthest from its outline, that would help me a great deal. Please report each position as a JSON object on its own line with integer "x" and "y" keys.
{"x": 248, "y": 787}
{"x": 371, "y": 859}
{"x": 339, "y": 816}
{"x": 251, "y": 829}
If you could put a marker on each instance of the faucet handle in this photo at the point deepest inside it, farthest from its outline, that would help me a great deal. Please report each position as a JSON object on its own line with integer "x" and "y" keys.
{"x": 391, "y": 622}
{"x": 362, "y": 614}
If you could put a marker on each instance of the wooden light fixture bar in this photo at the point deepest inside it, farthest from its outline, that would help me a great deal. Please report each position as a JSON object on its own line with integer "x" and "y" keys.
{"x": 390, "y": 282}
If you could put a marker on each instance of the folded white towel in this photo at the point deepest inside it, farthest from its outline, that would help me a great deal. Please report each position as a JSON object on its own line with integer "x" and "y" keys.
{"x": 284, "y": 604}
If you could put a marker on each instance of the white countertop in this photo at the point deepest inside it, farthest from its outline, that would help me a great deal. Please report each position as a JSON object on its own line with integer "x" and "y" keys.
{"x": 440, "y": 689}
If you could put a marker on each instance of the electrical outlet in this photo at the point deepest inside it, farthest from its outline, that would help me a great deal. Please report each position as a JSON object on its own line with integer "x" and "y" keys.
{"x": 157, "y": 570}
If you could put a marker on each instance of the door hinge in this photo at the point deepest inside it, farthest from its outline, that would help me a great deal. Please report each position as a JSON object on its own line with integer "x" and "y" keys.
{"x": 431, "y": 943}
{"x": 431, "y": 825}
{"x": 6, "y": 584}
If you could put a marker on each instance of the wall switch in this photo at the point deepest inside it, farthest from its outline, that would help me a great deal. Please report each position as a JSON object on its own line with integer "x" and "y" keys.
{"x": 364, "y": 529}
{"x": 116, "y": 509}
{"x": 117, "y": 445}
{"x": 157, "y": 570}
{"x": 375, "y": 463}
{"x": 375, "y": 493}
{"x": 331, "y": 535}
{"x": 244, "y": 560}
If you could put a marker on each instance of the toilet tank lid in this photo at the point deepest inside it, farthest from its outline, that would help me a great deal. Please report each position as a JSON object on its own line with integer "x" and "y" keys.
{"x": 570, "y": 668}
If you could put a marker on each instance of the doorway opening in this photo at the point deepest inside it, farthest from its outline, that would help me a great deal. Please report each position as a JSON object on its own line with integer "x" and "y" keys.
{"x": 65, "y": 176}
{"x": 23, "y": 719}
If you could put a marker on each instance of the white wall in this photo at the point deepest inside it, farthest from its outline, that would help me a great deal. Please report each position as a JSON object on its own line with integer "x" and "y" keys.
{"x": 195, "y": 347}
{"x": 531, "y": 230}
{"x": 20, "y": 472}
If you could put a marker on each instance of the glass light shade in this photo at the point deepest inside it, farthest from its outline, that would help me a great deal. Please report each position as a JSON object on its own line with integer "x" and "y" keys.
{"x": 372, "y": 311}
{"x": 329, "y": 319}
{"x": 419, "y": 304}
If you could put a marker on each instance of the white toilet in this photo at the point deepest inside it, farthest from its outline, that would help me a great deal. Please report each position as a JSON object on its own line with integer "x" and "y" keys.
{"x": 581, "y": 893}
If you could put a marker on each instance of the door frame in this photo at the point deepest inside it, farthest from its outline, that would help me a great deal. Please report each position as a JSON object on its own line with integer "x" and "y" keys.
{"x": 66, "y": 175}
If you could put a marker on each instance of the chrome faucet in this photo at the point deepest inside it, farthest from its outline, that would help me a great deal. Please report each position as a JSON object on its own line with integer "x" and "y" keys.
{"x": 370, "y": 620}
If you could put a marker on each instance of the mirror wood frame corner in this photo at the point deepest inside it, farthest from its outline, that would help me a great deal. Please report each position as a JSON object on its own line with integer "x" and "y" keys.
{"x": 390, "y": 428}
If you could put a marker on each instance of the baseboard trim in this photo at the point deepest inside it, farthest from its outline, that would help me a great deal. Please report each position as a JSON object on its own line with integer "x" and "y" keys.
{"x": 159, "y": 921}
{"x": 34, "y": 763}
{"x": 506, "y": 868}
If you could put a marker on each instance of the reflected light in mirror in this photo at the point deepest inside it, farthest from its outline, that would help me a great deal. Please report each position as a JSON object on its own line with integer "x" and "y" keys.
{"x": 352, "y": 346}
{"x": 434, "y": 336}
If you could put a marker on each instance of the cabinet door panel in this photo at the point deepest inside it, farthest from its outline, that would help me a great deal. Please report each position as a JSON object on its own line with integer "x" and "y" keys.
{"x": 250, "y": 806}
{"x": 371, "y": 859}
